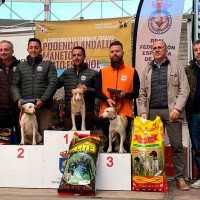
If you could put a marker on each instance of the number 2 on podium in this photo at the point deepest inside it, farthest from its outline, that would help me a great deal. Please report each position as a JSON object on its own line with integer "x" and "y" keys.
{"x": 21, "y": 151}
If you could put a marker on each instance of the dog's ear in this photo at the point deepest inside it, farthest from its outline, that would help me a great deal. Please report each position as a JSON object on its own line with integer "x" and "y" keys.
{"x": 23, "y": 107}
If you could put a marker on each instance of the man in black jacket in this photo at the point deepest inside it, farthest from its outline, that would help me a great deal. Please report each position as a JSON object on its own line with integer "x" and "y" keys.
{"x": 81, "y": 76}
{"x": 9, "y": 112}
{"x": 193, "y": 107}
{"x": 36, "y": 79}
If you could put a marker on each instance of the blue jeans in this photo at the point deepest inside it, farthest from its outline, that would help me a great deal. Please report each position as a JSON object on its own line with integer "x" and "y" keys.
{"x": 194, "y": 130}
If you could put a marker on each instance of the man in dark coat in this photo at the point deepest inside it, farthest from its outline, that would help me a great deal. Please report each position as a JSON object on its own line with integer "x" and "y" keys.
{"x": 9, "y": 112}
{"x": 193, "y": 107}
{"x": 81, "y": 76}
{"x": 36, "y": 79}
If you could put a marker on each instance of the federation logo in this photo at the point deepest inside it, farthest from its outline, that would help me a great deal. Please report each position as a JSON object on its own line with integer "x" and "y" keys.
{"x": 160, "y": 20}
{"x": 124, "y": 77}
{"x": 83, "y": 78}
{"x": 39, "y": 68}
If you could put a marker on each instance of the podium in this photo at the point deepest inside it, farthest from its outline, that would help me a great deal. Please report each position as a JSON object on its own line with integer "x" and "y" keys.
{"x": 41, "y": 166}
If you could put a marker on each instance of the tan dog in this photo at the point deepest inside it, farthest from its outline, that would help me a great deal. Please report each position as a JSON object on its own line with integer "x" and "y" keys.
{"x": 118, "y": 124}
{"x": 145, "y": 163}
{"x": 78, "y": 108}
{"x": 29, "y": 125}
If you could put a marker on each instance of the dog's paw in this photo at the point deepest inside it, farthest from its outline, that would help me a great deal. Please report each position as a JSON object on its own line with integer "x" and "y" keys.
{"x": 122, "y": 151}
{"x": 83, "y": 129}
{"x": 34, "y": 143}
{"x": 109, "y": 150}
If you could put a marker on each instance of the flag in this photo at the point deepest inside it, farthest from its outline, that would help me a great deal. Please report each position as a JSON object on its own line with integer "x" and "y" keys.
{"x": 156, "y": 20}
{"x": 196, "y": 25}
{"x": 1, "y": 2}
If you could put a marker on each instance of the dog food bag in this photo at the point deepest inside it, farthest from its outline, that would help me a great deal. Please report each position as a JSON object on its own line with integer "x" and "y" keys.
{"x": 80, "y": 170}
{"x": 5, "y": 135}
{"x": 147, "y": 153}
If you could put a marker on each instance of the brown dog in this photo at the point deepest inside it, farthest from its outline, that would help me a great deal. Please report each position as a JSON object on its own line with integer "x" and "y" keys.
{"x": 78, "y": 107}
{"x": 118, "y": 124}
{"x": 29, "y": 125}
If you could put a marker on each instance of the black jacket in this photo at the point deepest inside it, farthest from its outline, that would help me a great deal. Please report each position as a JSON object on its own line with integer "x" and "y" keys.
{"x": 70, "y": 80}
{"x": 191, "y": 72}
{"x": 6, "y": 99}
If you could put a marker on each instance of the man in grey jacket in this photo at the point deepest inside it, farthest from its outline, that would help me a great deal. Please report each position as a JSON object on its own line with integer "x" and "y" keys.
{"x": 164, "y": 90}
{"x": 36, "y": 79}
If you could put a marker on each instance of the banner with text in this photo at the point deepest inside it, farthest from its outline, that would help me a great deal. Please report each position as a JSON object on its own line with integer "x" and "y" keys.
{"x": 157, "y": 20}
{"x": 58, "y": 39}
{"x": 196, "y": 9}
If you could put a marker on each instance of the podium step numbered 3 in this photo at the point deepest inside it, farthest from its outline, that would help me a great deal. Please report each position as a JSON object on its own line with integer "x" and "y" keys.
{"x": 41, "y": 166}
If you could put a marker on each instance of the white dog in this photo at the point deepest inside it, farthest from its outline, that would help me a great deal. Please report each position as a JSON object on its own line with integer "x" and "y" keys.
{"x": 155, "y": 164}
{"x": 145, "y": 163}
{"x": 29, "y": 125}
{"x": 118, "y": 124}
{"x": 78, "y": 108}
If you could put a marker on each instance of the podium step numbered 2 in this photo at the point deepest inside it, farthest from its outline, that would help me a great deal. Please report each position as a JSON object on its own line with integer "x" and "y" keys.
{"x": 41, "y": 166}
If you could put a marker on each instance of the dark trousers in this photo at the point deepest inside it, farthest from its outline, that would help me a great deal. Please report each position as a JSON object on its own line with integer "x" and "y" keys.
{"x": 174, "y": 132}
{"x": 194, "y": 130}
{"x": 89, "y": 122}
{"x": 9, "y": 118}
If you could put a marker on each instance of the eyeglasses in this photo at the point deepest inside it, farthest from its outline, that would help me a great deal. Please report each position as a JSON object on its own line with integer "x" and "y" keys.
{"x": 157, "y": 48}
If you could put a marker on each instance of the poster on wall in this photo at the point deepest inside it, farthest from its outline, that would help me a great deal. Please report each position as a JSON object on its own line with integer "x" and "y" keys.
{"x": 58, "y": 39}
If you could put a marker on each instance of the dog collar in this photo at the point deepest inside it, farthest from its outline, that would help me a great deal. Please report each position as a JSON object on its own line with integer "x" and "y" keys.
{"x": 27, "y": 113}
{"x": 113, "y": 118}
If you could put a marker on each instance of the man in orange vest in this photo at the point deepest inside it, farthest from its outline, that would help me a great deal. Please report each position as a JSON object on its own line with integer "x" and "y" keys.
{"x": 125, "y": 80}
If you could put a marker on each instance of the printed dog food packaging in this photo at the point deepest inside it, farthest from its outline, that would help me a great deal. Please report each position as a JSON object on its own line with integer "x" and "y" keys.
{"x": 5, "y": 135}
{"x": 80, "y": 170}
{"x": 147, "y": 153}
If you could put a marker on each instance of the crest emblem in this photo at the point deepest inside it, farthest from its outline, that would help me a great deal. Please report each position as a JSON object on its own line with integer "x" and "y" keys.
{"x": 39, "y": 68}
{"x": 160, "y": 20}
{"x": 124, "y": 77}
{"x": 63, "y": 161}
{"x": 83, "y": 78}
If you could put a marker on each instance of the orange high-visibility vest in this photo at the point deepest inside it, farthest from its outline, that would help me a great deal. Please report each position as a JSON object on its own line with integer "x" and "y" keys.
{"x": 121, "y": 79}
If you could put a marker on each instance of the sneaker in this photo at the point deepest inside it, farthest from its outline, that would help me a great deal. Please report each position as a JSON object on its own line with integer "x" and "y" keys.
{"x": 180, "y": 184}
{"x": 196, "y": 184}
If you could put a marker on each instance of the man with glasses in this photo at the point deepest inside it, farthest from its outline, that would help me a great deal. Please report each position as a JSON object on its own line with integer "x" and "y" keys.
{"x": 163, "y": 92}
{"x": 193, "y": 107}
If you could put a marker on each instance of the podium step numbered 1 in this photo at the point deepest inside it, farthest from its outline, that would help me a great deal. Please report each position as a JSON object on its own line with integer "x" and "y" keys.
{"x": 41, "y": 166}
